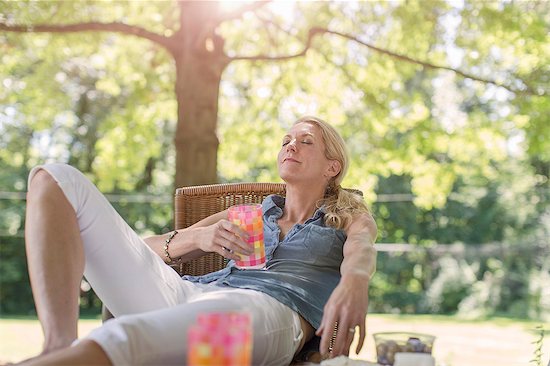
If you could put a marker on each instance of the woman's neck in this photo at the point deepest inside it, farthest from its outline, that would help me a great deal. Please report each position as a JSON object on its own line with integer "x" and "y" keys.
{"x": 300, "y": 204}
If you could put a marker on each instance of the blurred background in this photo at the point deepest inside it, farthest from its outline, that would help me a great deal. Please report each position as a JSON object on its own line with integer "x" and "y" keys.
{"x": 443, "y": 104}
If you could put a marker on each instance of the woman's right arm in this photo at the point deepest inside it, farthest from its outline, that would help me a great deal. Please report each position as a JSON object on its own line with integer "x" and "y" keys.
{"x": 212, "y": 234}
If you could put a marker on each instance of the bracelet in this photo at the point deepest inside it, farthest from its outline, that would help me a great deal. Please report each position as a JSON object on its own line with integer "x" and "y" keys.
{"x": 166, "y": 242}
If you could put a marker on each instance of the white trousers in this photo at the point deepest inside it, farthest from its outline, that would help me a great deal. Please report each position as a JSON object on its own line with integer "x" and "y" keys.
{"x": 153, "y": 306}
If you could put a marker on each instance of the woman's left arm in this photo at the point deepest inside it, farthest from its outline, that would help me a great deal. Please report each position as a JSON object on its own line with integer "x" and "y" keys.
{"x": 349, "y": 301}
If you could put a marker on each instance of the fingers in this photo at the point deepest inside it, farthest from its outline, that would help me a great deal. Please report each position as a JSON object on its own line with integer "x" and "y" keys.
{"x": 233, "y": 229}
{"x": 230, "y": 241}
{"x": 342, "y": 342}
{"x": 236, "y": 238}
{"x": 341, "y": 337}
{"x": 226, "y": 253}
{"x": 325, "y": 332}
{"x": 325, "y": 341}
{"x": 362, "y": 336}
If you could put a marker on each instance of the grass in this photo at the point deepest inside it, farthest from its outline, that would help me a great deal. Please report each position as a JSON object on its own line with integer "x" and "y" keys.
{"x": 21, "y": 337}
{"x": 459, "y": 342}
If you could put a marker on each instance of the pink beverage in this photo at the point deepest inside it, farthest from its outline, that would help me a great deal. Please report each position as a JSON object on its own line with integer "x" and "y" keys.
{"x": 249, "y": 218}
{"x": 220, "y": 339}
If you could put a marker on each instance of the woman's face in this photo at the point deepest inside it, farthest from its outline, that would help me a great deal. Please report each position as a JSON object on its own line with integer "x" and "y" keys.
{"x": 302, "y": 156}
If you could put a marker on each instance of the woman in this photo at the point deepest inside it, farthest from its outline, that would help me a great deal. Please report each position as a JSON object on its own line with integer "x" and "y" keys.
{"x": 319, "y": 248}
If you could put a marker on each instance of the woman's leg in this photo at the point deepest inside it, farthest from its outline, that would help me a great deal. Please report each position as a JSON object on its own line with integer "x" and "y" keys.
{"x": 71, "y": 228}
{"x": 160, "y": 337}
{"x": 53, "y": 238}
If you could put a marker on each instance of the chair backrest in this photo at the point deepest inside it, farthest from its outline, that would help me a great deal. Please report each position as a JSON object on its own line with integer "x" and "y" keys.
{"x": 193, "y": 204}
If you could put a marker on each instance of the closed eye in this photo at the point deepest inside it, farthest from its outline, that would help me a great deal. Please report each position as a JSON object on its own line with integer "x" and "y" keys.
{"x": 306, "y": 140}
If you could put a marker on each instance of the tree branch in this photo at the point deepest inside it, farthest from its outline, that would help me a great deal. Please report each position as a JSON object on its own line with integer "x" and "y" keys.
{"x": 317, "y": 31}
{"x": 89, "y": 27}
{"x": 426, "y": 64}
{"x": 312, "y": 33}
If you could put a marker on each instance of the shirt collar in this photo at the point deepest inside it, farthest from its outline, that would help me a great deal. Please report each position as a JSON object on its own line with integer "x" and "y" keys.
{"x": 274, "y": 204}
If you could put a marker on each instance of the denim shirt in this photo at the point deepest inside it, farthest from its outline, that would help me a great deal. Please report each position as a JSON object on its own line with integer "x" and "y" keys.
{"x": 301, "y": 271}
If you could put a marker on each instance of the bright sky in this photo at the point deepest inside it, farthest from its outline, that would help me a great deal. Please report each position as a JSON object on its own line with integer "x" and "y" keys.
{"x": 283, "y": 8}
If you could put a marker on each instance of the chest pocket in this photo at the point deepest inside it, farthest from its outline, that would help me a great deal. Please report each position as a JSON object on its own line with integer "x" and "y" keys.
{"x": 321, "y": 240}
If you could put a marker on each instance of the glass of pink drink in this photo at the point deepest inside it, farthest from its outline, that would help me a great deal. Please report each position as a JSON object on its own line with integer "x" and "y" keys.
{"x": 249, "y": 218}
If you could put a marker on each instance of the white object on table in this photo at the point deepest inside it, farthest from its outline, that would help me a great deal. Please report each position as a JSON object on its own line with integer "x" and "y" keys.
{"x": 413, "y": 359}
{"x": 346, "y": 361}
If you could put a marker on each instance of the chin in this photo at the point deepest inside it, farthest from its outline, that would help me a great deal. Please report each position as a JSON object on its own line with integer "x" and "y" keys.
{"x": 290, "y": 175}
{"x": 287, "y": 178}
{"x": 292, "y": 179}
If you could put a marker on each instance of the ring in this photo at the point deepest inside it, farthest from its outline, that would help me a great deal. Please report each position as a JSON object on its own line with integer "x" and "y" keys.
{"x": 351, "y": 330}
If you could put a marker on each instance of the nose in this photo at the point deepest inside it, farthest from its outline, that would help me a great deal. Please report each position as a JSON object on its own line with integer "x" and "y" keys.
{"x": 291, "y": 145}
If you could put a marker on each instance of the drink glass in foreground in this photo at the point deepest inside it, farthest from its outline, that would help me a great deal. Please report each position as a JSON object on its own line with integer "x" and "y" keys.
{"x": 220, "y": 339}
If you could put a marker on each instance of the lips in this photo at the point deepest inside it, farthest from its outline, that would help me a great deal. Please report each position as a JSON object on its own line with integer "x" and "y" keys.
{"x": 290, "y": 160}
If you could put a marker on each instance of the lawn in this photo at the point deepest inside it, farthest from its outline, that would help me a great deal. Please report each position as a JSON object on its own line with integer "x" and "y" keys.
{"x": 493, "y": 342}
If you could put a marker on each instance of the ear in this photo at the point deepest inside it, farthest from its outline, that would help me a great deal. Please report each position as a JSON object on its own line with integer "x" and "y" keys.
{"x": 333, "y": 169}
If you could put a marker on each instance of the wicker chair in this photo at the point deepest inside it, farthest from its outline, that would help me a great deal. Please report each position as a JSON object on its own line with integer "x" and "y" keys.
{"x": 195, "y": 203}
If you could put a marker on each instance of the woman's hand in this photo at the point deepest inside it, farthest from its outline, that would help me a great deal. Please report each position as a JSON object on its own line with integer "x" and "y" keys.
{"x": 347, "y": 306}
{"x": 224, "y": 238}
{"x": 348, "y": 303}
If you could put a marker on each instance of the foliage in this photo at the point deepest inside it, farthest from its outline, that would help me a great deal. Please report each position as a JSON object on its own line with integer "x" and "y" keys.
{"x": 15, "y": 292}
{"x": 469, "y": 278}
{"x": 470, "y": 283}
{"x": 452, "y": 284}
{"x": 383, "y": 103}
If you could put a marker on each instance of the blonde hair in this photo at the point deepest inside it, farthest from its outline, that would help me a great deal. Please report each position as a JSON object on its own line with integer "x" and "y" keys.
{"x": 340, "y": 204}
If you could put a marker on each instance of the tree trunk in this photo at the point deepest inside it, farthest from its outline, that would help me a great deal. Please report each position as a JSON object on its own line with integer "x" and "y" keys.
{"x": 196, "y": 140}
{"x": 199, "y": 66}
